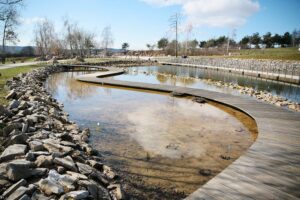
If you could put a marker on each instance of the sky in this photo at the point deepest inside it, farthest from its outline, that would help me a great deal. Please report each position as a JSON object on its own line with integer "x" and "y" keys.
{"x": 139, "y": 22}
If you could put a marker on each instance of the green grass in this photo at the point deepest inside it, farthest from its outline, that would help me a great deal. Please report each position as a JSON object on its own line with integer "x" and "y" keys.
{"x": 270, "y": 53}
{"x": 99, "y": 60}
{"x": 9, "y": 73}
{"x": 19, "y": 60}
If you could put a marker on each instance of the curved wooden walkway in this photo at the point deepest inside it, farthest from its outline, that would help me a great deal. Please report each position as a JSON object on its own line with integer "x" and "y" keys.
{"x": 270, "y": 169}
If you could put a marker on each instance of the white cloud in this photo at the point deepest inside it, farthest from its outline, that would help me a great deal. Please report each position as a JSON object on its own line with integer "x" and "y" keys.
{"x": 31, "y": 21}
{"x": 215, "y": 13}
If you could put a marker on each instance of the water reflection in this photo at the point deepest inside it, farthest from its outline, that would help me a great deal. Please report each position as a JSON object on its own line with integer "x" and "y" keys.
{"x": 156, "y": 141}
{"x": 180, "y": 76}
{"x": 66, "y": 88}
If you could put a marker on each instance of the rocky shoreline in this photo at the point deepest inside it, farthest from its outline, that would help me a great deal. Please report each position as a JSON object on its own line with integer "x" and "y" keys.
{"x": 46, "y": 155}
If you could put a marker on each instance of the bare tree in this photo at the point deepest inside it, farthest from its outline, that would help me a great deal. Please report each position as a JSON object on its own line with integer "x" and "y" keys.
{"x": 107, "y": 39}
{"x": 79, "y": 41}
{"x": 10, "y": 2}
{"x": 44, "y": 38}
{"x": 70, "y": 28}
{"x": 9, "y": 19}
{"x": 188, "y": 31}
{"x": 89, "y": 42}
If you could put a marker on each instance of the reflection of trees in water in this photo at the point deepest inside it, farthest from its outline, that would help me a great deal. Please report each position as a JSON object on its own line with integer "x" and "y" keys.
{"x": 287, "y": 90}
{"x": 161, "y": 78}
{"x": 164, "y": 78}
{"x": 75, "y": 89}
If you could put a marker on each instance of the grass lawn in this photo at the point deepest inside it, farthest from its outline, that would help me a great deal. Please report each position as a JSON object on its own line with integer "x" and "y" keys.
{"x": 9, "y": 73}
{"x": 19, "y": 60}
{"x": 99, "y": 60}
{"x": 271, "y": 53}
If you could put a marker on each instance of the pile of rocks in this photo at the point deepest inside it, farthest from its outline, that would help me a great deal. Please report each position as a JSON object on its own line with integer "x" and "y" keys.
{"x": 46, "y": 156}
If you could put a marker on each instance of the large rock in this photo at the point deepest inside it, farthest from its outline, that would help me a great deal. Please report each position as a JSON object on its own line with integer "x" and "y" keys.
{"x": 14, "y": 104}
{"x": 95, "y": 190}
{"x": 77, "y": 175}
{"x": 108, "y": 172}
{"x": 39, "y": 196}
{"x": 23, "y": 105}
{"x": 16, "y": 195}
{"x": 44, "y": 161}
{"x": 84, "y": 168}
{"x": 116, "y": 191}
{"x": 50, "y": 187}
{"x": 64, "y": 180}
{"x": 5, "y": 112}
{"x": 14, "y": 187}
{"x": 12, "y": 94}
{"x": 13, "y": 151}
{"x": 21, "y": 192}
{"x": 56, "y": 183}
{"x": 22, "y": 169}
{"x": 8, "y": 129}
{"x": 18, "y": 139}
{"x": 95, "y": 164}
{"x": 66, "y": 162}
{"x": 53, "y": 146}
{"x": 25, "y": 197}
{"x": 36, "y": 145}
{"x": 77, "y": 195}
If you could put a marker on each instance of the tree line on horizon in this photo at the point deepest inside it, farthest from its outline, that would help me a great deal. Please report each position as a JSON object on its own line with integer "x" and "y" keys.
{"x": 267, "y": 40}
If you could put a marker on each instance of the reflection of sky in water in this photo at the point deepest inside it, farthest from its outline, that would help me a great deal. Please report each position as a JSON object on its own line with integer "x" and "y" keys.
{"x": 161, "y": 124}
{"x": 176, "y": 126}
{"x": 277, "y": 88}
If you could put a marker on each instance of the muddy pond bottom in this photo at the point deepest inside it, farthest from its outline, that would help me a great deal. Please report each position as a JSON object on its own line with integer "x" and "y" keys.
{"x": 163, "y": 147}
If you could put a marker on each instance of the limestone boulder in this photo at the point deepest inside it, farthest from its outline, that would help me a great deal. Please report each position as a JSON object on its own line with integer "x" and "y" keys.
{"x": 66, "y": 162}
{"x": 13, "y": 151}
{"x": 22, "y": 169}
{"x": 77, "y": 195}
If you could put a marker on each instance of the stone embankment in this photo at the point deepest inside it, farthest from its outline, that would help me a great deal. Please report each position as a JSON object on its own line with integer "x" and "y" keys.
{"x": 288, "y": 67}
{"x": 285, "y": 71}
{"x": 46, "y": 156}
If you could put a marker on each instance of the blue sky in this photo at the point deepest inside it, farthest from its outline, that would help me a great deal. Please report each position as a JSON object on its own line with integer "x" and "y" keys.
{"x": 145, "y": 21}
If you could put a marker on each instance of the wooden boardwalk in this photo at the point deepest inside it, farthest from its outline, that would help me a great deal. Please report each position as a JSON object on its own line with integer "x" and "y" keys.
{"x": 270, "y": 169}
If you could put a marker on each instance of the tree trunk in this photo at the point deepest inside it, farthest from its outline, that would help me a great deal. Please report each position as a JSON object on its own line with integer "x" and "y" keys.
{"x": 3, "y": 57}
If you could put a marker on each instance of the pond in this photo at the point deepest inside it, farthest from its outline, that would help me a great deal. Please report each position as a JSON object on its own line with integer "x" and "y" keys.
{"x": 180, "y": 76}
{"x": 163, "y": 147}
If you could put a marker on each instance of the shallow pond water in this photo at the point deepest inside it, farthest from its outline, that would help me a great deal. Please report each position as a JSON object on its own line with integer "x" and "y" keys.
{"x": 178, "y": 76}
{"x": 164, "y": 147}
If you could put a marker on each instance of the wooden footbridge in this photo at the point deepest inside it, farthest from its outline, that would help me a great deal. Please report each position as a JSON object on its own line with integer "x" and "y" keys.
{"x": 270, "y": 169}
